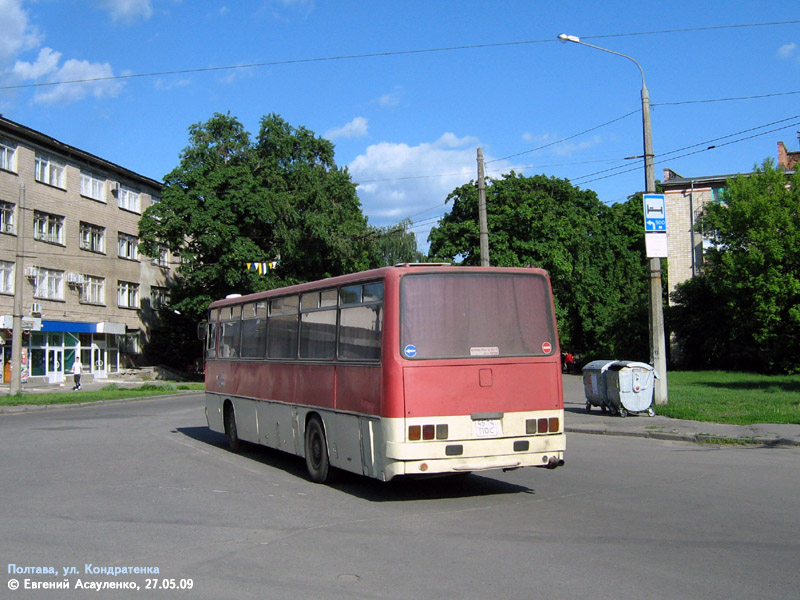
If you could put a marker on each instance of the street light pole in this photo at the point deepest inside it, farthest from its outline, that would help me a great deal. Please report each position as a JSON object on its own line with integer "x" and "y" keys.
{"x": 658, "y": 351}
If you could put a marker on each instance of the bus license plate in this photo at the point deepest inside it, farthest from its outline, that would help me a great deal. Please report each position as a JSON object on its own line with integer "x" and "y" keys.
{"x": 487, "y": 428}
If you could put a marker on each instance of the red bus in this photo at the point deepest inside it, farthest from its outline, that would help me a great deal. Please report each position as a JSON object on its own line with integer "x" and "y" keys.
{"x": 405, "y": 370}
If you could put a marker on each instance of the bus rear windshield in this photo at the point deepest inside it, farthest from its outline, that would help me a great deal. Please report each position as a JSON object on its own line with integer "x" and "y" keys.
{"x": 459, "y": 315}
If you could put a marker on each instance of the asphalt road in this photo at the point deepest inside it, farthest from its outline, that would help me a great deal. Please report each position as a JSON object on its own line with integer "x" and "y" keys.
{"x": 146, "y": 484}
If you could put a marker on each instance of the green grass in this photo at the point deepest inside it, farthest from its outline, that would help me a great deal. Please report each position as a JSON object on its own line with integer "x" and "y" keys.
{"x": 733, "y": 398}
{"x": 111, "y": 391}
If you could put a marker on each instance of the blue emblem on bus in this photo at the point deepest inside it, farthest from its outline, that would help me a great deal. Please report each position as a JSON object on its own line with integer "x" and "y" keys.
{"x": 410, "y": 351}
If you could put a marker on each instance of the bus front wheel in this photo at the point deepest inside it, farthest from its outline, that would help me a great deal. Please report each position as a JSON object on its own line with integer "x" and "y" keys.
{"x": 317, "y": 461}
{"x": 230, "y": 430}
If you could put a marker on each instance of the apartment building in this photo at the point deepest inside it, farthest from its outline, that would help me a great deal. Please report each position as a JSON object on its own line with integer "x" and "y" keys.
{"x": 68, "y": 226}
{"x": 685, "y": 198}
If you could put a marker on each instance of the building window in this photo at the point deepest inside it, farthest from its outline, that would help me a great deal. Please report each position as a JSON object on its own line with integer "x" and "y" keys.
{"x": 93, "y": 186}
{"x": 94, "y": 290}
{"x": 130, "y": 343}
{"x": 93, "y": 238}
{"x": 7, "y": 217}
{"x": 48, "y": 228}
{"x": 6, "y": 277}
{"x": 127, "y": 294}
{"x": 154, "y": 200}
{"x": 162, "y": 259}
{"x": 159, "y": 297}
{"x": 50, "y": 171}
{"x": 49, "y": 284}
{"x": 128, "y": 247}
{"x": 8, "y": 156}
{"x": 128, "y": 198}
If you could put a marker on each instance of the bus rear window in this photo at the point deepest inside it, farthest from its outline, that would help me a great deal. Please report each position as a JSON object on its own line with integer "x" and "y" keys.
{"x": 463, "y": 315}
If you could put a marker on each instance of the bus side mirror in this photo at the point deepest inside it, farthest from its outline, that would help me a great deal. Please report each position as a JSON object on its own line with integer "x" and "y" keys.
{"x": 202, "y": 328}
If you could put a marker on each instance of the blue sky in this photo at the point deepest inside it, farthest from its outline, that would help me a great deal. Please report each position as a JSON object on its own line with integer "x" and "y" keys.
{"x": 423, "y": 85}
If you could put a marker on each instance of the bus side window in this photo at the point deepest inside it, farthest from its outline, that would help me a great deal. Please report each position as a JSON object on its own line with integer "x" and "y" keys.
{"x": 361, "y": 322}
{"x": 283, "y": 328}
{"x": 254, "y": 331}
{"x": 211, "y": 340}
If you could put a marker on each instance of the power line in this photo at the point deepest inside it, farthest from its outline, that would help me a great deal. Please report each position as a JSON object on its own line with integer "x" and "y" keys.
{"x": 633, "y": 112}
{"x": 725, "y": 99}
{"x": 388, "y": 53}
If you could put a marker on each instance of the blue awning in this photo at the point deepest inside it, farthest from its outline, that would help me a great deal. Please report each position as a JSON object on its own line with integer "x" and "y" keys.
{"x": 68, "y": 327}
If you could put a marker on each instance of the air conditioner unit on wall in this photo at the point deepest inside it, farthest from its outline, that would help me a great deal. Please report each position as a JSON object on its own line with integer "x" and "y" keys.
{"x": 113, "y": 187}
{"x": 31, "y": 271}
{"x": 75, "y": 278}
{"x": 36, "y": 308}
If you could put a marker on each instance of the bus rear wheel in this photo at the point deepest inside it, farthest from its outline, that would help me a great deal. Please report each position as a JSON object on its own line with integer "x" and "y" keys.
{"x": 230, "y": 430}
{"x": 317, "y": 461}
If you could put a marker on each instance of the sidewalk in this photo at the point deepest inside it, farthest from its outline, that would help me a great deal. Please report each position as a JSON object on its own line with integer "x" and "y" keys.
{"x": 578, "y": 420}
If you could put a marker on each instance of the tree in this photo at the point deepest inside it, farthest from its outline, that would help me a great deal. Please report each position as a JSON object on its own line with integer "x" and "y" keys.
{"x": 233, "y": 201}
{"x": 593, "y": 252}
{"x": 751, "y": 274}
{"x": 396, "y": 244}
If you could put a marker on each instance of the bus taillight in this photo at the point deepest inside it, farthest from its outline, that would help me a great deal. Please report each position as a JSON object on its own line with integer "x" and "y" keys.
{"x": 428, "y": 432}
{"x": 544, "y": 425}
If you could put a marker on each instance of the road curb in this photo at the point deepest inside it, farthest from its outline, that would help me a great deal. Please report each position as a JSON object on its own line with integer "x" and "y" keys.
{"x": 699, "y": 438}
{"x": 26, "y": 408}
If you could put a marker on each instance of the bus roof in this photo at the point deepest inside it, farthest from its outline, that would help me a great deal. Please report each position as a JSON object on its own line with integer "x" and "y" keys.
{"x": 395, "y": 271}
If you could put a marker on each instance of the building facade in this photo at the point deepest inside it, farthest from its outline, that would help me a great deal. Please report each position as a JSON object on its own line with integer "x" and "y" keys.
{"x": 685, "y": 198}
{"x": 69, "y": 225}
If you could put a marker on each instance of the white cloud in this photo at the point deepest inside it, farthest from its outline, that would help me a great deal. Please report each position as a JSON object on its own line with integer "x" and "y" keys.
{"x": 77, "y": 70}
{"x": 355, "y": 128}
{"x": 17, "y": 33}
{"x": 397, "y": 181}
{"x": 391, "y": 99}
{"x": 789, "y": 51}
{"x": 171, "y": 84}
{"x": 557, "y": 148}
{"x": 46, "y": 62}
{"x": 128, "y": 10}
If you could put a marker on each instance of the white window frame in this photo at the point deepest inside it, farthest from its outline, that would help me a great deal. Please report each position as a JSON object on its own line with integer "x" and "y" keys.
{"x": 48, "y": 228}
{"x": 50, "y": 171}
{"x": 159, "y": 297}
{"x": 7, "y": 211}
{"x": 93, "y": 290}
{"x": 7, "y": 270}
{"x": 92, "y": 238}
{"x": 8, "y": 156}
{"x": 128, "y": 247}
{"x": 129, "y": 199}
{"x": 162, "y": 260}
{"x": 127, "y": 294}
{"x": 93, "y": 186}
{"x": 130, "y": 343}
{"x": 49, "y": 284}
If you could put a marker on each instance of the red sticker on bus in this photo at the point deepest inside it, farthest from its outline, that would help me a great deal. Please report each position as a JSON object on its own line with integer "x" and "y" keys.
{"x": 547, "y": 347}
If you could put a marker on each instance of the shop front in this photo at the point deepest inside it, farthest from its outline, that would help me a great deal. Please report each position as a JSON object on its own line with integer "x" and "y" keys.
{"x": 51, "y": 349}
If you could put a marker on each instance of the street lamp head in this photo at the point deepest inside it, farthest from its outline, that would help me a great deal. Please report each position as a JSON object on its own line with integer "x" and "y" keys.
{"x": 569, "y": 38}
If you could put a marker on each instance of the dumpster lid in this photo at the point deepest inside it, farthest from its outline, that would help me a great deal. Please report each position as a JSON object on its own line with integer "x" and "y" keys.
{"x": 599, "y": 365}
{"x": 622, "y": 364}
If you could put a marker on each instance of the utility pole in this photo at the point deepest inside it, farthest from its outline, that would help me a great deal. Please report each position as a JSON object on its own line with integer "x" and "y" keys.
{"x": 19, "y": 275}
{"x": 483, "y": 222}
{"x": 658, "y": 351}
{"x": 658, "y": 347}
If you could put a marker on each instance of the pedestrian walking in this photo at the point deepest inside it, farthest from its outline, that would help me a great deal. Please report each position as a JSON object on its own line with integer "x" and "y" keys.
{"x": 77, "y": 368}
